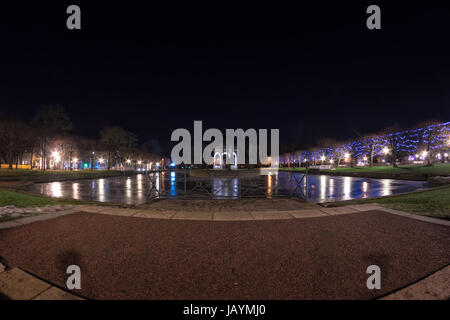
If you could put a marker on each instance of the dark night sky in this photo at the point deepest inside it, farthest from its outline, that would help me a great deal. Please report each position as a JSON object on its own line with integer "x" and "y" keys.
{"x": 312, "y": 71}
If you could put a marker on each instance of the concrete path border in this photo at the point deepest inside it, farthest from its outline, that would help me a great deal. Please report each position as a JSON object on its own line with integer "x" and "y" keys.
{"x": 17, "y": 284}
{"x": 39, "y": 217}
{"x": 433, "y": 287}
{"x": 417, "y": 217}
{"x": 236, "y": 215}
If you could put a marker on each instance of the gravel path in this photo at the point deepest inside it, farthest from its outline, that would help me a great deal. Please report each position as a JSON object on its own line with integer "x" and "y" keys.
{"x": 315, "y": 258}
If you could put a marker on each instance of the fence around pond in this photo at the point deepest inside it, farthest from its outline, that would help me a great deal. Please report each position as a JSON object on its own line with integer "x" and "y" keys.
{"x": 217, "y": 184}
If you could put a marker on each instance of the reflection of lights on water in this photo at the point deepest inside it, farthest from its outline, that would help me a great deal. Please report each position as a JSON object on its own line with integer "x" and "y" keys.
{"x": 365, "y": 186}
{"x": 323, "y": 187}
{"x": 56, "y": 189}
{"x": 75, "y": 191}
{"x": 225, "y": 187}
{"x": 139, "y": 183}
{"x": 139, "y": 186}
{"x": 101, "y": 189}
{"x": 387, "y": 188}
{"x": 320, "y": 188}
{"x": 128, "y": 187}
{"x": 173, "y": 190}
{"x": 347, "y": 188}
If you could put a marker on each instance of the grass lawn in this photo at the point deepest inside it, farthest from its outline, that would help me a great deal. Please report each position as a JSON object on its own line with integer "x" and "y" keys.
{"x": 51, "y": 175}
{"x": 23, "y": 199}
{"x": 436, "y": 169}
{"x": 433, "y": 203}
{"x": 409, "y": 172}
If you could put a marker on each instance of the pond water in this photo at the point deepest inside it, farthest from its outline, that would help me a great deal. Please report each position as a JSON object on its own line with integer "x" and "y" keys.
{"x": 137, "y": 189}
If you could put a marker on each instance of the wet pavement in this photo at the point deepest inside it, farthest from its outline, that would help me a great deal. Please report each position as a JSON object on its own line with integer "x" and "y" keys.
{"x": 315, "y": 258}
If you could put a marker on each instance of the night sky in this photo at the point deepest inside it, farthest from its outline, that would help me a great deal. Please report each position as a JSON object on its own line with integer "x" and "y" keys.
{"x": 311, "y": 71}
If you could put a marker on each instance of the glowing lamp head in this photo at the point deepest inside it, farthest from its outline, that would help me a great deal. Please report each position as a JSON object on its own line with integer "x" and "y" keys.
{"x": 322, "y": 158}
{"x": 385, "y": 150}
{"x": 139, "y": 162}
{"x": 424, "y": 154}
{"x": 75, "y": 160}
{"x": 56, "y": 156}
{"x": 365, "y": 158}
{"x": 128, "y": 161}
{"x": 101, "y": 160}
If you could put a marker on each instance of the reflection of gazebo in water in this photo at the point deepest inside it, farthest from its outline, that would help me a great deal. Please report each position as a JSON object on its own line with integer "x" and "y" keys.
{"x": 225, "y": 158}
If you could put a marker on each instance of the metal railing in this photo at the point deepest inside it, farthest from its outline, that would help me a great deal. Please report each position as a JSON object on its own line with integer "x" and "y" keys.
{"x": 215, "y": 184}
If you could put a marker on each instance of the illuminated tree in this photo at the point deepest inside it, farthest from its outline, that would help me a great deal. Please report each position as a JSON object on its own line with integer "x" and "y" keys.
{"x": 393, "y": 142}
{"x": 431, "y": 138}
{"x": 371, "y": 143}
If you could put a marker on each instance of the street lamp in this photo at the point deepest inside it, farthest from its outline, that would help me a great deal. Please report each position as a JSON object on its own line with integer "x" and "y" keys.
{"x": 74, "y": 162}
{"x": 56, "y": 158}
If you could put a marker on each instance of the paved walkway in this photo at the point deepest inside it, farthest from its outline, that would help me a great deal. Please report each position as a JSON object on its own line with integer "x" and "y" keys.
{"x": 298, "y": 254}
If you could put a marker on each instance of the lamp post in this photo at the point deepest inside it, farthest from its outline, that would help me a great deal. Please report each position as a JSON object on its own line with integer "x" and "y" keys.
{"x": 92, "y": 160}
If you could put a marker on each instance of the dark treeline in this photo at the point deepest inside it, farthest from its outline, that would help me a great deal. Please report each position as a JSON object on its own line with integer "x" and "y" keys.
{"x": 48, "y": 142}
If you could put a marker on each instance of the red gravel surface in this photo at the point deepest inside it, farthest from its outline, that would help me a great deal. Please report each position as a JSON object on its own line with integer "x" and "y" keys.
{"x": 316, "y": 258}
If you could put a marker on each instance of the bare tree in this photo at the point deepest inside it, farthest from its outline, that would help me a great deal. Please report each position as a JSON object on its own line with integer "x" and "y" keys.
{"x": 117, "y": 141}
{"x": 371, "y": 143}
{"x": 51, "y": 122}
{"x": 15, "y": 140}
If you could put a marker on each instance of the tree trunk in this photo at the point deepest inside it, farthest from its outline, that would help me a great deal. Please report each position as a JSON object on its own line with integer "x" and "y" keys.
{"x": 371, "y": 156}
{"x": 31, "y": 158}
